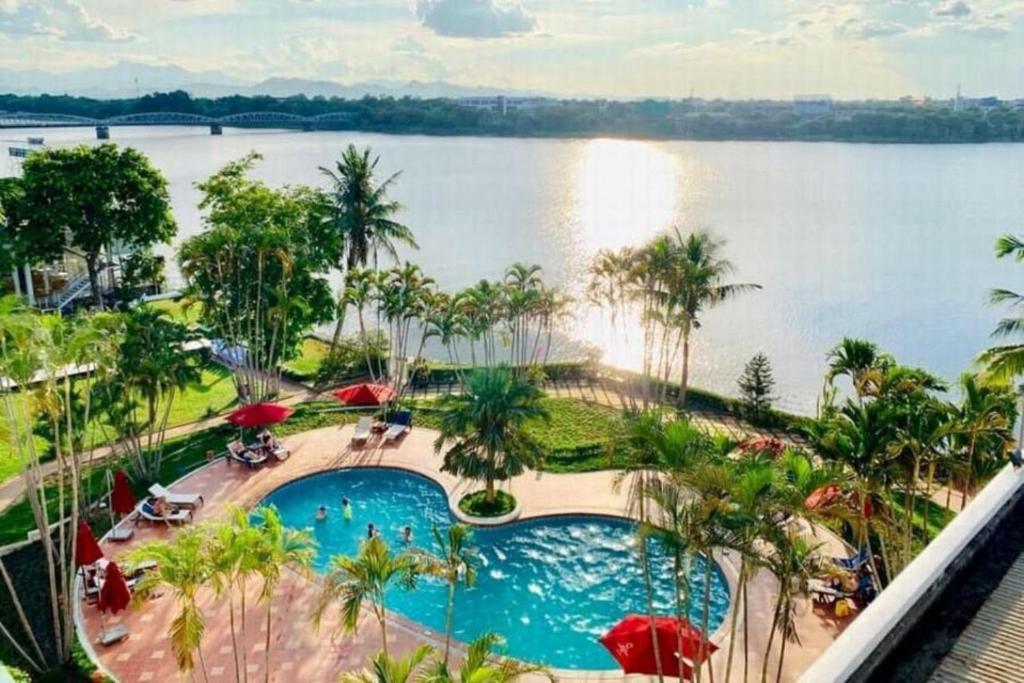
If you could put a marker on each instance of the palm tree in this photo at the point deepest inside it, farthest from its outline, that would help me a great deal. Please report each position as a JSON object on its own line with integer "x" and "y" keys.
{"x": 366, "y": 577}
{"x": 983, "y": 417}
{"x": 698, "y": 283}
{"x": 455, "y": 562}
{"x": 483, "y": 433}
{"x": 278, "y": 548}
{"x": 359, "y": 292}
{"x": 183, "y": 566}
{"x": 671, "y": 527}
{"x": 385, "y": 669}
{"x": 479, "y": 665}
{"x": 363, "y": 215}
{"x": 859, "y": 360}
{"x": 792, "y": 563}
{"x": 235, "y": 558}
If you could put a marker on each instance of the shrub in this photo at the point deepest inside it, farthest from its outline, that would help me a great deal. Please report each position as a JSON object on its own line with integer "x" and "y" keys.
{"x": 476, "y": 504}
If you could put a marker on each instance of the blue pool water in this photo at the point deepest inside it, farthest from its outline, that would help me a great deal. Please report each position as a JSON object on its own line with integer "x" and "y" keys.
{"x": 550, "y": 586}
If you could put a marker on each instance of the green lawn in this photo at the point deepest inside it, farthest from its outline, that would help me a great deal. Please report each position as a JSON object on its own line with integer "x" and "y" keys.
{"x": 306, "y": 365}
{"x": 176, "y": 309}
{"x": 578, "y": 437}
{"x": 215, "y": 394}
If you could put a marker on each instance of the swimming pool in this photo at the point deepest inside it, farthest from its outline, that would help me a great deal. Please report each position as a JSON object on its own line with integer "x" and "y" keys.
{"x": 551, "y": 586}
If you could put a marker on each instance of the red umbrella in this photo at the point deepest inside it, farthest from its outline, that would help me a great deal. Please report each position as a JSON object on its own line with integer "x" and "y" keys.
{"x": 259, "y": 414}
{"x": 121, "y": 499}
{"x": 115, "y": 594}
{"x": 365, "y": 394}
{"x": 764, "y": 444}
{"x": 630, "y": 643}
{"x": 87, "y": 550}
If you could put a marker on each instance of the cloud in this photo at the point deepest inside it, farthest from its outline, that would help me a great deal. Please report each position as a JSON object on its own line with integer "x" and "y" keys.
{"x": 407, "y": 45}
{"x": 474, "y": 18}
{"x": 866, "y": 29}
{"x": 64, "y": 19}
{"x": 957, "y": 9}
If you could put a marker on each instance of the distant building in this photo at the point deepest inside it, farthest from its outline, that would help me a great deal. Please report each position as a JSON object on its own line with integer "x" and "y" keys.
{"x": 502, "y": 104}
{"x": 812, "y": 105}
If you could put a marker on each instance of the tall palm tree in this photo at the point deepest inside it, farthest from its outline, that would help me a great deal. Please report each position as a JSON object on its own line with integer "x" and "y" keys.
{"x": 278, "y": 548}
{"x": 363, "y": 214}
{"x": 483, "y": 433}
{"x": 984, "y": 417}
{"x": 699, "y": 283}
{"x": 183, "y": 566}
{"x": 366, "y": 578}
{"x": 235, "y": 558}
{"x": 793, "y": 564}
{"x": 859, "y": 360}
{"x": 456, "y": 561}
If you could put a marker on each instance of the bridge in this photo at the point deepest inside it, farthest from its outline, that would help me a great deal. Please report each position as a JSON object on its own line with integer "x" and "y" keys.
{"x": 251, "y": 119}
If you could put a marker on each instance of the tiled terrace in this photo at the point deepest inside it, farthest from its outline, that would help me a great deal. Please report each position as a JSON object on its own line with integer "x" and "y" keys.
{"x": 299, "y": 653}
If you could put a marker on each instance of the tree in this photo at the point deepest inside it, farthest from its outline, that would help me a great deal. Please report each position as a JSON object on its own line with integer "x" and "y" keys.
{"x": 483, "y": 432}
{"x": 94, "y": 199}
{"x": 756, "y": 384}
{"x": 183, "y": 566}
{"x": 256, "y": 272}
{"x": 423, "y": 665}
{"x": 859, "y": 360}
{"x": 699, "y": 275}
{"x": 456, "y": 561}
{"x": 366, "y": 578}
{"x": 362, "y": 216}
{"x": 279, "y": 548}
{"x": 235, "y": 559}
{"x": 982, "y": 423}
{"x": 153, "y": 368}
{"x": 35, "y": 351}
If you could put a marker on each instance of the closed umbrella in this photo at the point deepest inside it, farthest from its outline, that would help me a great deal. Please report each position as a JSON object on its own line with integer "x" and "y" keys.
{"x": 630, "y": 644}
{"x": 365, "y": 394}
{"x": 115, "y": 594}
{"x": 121, "y": 499}
{"x": 87, "y": 550}
{"x": 259, "y": 415}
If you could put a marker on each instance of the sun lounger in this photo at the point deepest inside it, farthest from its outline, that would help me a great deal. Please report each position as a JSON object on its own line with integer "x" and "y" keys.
{"x": 121, "y": 533}
{"x": 187, "y": 500}
{"x": 178, "y": 515}
{"x": 246, "y": 456}
{"x": 114, "y": 634}
{"x": 364, "y": 427}
{"x": 854, "y": 562}
{"x": 401, "y": 424}
{"x": 823, "y": 593}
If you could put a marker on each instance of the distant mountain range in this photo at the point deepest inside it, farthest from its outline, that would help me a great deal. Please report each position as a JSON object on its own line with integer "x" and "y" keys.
{"x": 127, "y": 79}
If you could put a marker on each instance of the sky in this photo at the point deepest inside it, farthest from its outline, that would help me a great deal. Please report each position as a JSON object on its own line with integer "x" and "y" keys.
{"x": 605, "y": 48}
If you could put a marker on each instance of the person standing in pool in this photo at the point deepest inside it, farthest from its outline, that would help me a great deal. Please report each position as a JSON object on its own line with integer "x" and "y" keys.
{"x": 346, "y": 509}
{"x": 407, "y": 535}
{"x": 321, "y": 513}
{"x": 371, "y": 531}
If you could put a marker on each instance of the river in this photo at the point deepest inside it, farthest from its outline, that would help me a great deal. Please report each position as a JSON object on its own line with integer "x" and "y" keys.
{"x": 889, "y": 242}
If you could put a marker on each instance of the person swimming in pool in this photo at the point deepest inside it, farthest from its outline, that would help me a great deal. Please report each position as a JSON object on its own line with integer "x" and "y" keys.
{"x": 371, "y": 531}
{"x": 321, "y": 513}
{"x": 407, "y": 535}
{"x": 346, "y": 509}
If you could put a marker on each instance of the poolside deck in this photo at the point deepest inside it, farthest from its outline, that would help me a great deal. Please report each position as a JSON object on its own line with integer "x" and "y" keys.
{"x": 298, "y": 653}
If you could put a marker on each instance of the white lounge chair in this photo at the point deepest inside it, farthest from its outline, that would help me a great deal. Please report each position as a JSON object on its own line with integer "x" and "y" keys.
{"x": 364, "y": 427}
{"x": 246, "y": 456}
{"x": 178, "y": 515}
{"x": 187, "y": 500}
{"x": 401, "y": 424}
